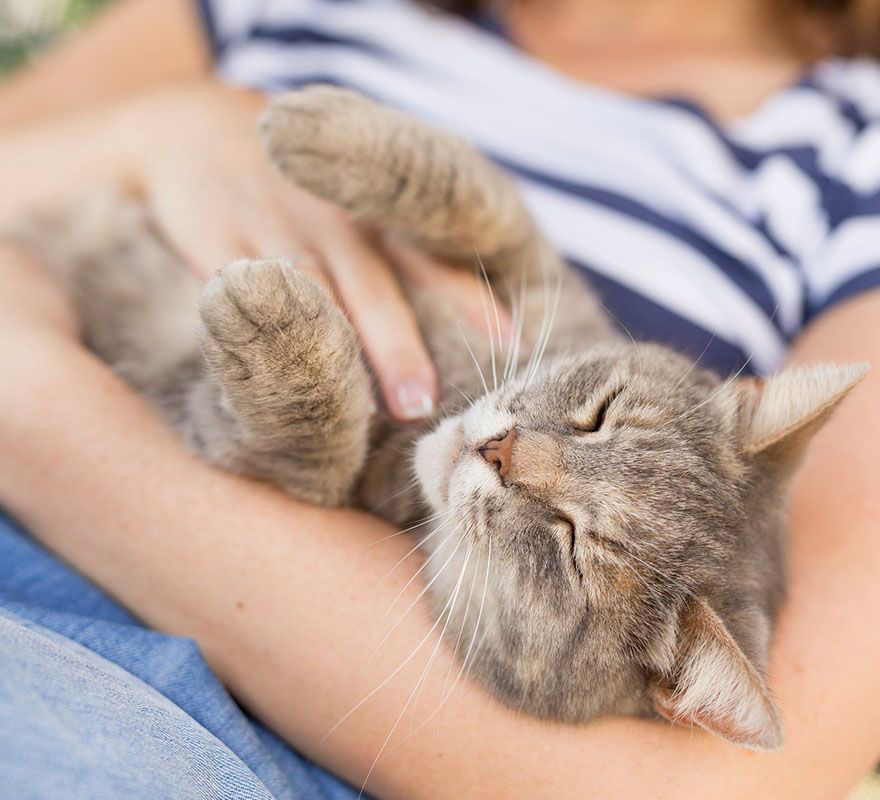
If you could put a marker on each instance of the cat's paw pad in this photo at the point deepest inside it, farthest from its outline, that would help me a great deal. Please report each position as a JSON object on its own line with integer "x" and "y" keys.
{"x": 249, "y": 300}
{"x": 260, "y": 316}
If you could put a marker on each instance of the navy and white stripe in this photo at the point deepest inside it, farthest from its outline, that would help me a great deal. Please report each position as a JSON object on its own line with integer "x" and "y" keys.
{"x": 718, "y": 240}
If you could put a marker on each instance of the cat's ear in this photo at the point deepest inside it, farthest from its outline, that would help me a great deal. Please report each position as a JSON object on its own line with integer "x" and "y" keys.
{"x": 783, "y": 412}
{"x": 713, "y": 684}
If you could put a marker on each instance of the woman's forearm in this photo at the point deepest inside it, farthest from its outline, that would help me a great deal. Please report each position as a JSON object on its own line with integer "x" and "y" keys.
{"x": 66, "y": 121}
{"x": 287, "y": 602}
{"x": 135, "y": 46}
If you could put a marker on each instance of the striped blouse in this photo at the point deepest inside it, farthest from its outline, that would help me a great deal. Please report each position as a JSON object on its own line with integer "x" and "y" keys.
{"x": 720, "y": 240}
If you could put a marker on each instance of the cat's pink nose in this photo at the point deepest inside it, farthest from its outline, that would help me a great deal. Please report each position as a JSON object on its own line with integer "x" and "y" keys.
{"x": 499, "y": 452}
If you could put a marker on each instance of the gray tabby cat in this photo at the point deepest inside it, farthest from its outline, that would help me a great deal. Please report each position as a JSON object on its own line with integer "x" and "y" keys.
{"x": 619, "y": 510}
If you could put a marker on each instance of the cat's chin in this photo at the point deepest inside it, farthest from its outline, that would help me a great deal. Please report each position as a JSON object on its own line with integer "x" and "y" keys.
{"x": 435, "y": 457}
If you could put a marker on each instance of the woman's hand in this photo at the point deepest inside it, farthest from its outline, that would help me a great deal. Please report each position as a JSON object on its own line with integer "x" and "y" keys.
{"x": 194, "y": 155}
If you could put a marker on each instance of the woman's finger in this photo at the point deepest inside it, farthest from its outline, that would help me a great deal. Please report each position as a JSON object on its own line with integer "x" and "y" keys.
{"x": 271, "y": 237}
{"x": 470, "y": 292}
{"x": 205, "y": 241}
{"x": 385, "y": 322}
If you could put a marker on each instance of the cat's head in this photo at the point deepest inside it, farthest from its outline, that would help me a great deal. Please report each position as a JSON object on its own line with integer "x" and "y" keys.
{"x": 610, "y": 534}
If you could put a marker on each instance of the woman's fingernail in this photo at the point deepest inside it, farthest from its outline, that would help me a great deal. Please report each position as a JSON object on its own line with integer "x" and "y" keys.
{"x": 414, "y": 399}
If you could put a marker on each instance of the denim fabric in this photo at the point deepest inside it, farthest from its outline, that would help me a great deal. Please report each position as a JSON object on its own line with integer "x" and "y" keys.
{"x": 94, "y": 705}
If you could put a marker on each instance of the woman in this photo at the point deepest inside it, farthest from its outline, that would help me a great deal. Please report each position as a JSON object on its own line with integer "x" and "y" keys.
{"x": 736, "y": 223}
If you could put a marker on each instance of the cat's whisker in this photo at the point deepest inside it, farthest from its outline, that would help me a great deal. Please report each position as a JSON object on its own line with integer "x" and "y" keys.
{"x": 473, "y": 358}
{"x": 488, "y": 322}
{"x": 546, "y": 328}
{"x": 414, "y": 603}
{"x": 520, "y": 311}
{"x": 471, "y": 652}
{"x": 475, "y": 653}
{"x": 462, "y": 392}
{"x": 509, "y": 361}
{"x": 726, "y": 384}
{"x": 445, "y": 695}
{"x": 520, "y": 307}
{"x": 547, "y": 324}
{"x": 412, "y": 550}
{"x": 628, "y": 333}
{"x": 412, "y": 527}
{"x": 467, "y": 610}
{"x": 455, "y": 592}
{"x": 495, "y": 313}
{"x": 621, "y": 556}
{"x": 411, "y": 484}
{"x": 447, "y": 612}
{"x": 693, "y": 366}
{"x": 544, "y": 317}
{"x": 548, "y": 332}
{"x": 409, "y": 552}
{"x": 427, "y": 561}
{"x": 509, "y": 343}
{"x": 387, "y": 680}
{"x": 421, "y": 521}
{"x": 646, "y": 584}
{"x": 511, "y": 303}
{"x": 494, "y": 304}
{"x": 544, "y": 308}
{"x": 418, "y": 523}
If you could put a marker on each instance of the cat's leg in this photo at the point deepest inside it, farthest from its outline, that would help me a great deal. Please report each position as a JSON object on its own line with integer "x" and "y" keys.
{"x": 288, "y": 398}
{"x": 388, "y": 168}
{"x": 438, "y": 191}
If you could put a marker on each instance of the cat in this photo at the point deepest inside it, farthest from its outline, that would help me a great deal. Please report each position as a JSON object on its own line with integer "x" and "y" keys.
{"x": 609, "y": 517}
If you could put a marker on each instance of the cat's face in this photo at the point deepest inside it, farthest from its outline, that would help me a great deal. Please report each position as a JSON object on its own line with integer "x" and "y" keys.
{"x": 609, "y": 489}
{"x": 583, "y": 512}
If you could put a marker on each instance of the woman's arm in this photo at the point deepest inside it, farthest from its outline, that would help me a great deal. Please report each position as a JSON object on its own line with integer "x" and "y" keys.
{"x": 287, "y": 601}
{"x": 135, "y": 46}
{"x": 66, "y": 121}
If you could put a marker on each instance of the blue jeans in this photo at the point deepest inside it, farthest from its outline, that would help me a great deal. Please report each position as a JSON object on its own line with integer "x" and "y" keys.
{"x": 93, "y": 705}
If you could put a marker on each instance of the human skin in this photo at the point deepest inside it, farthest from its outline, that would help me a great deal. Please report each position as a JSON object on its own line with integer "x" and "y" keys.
{"x": 286, "y": 600}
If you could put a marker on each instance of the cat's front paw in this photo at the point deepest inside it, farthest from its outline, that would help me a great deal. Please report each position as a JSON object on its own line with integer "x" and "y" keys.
{"x": 262, "y": 317}
{"x": 286, "y": 380}
{"x": 253, "y": 296}
{"x": 328, "y": 140}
